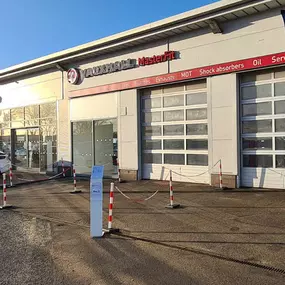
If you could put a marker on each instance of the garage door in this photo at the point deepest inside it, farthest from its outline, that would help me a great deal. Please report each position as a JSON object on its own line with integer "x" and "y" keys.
{"x": 175, "y": 132}
{"x": 263, "y": 129}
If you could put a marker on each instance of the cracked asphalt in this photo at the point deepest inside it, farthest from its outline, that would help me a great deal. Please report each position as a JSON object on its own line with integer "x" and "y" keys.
{"x": 216, "y": 237}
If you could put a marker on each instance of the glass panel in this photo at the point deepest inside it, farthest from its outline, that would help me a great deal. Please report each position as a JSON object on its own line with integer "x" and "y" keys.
{"x": 48, "y": 110}
{"x": 171, "y": 101}
{"x": 173, "y": 130}
{"x": 5, "y": 142}
{"x": 261, "y": 126}
{"x": 149, "y": 131}
{"x": 48, "y": 147}
{"x": 152, "y": 144}
{"x": 173, "y": 88}
{"x": 152, "y": 91}
{"x": 173, "y": 144}
{"x": 197, "y": 159}
{"x": 173, "y": 115}
{"x": 197, "y": 129}
{"x": 279, "y": 89}
{"x": 257, "y": 161}
{"x": 48, "y": 121}
{"x": 197, "y": 98}
{"x": 155, "y": 158}
{"x": 280, "y": 143}
{"x": 174, "y": 159}
{"x": 151, "y": 103}
{"x": 257, "y": 143}
{"x": 17, "y": 117}
{"x": 31, "y": 115}
{"x": 21, "y": 149}
{"x": 255, "y": 76}
{"x": 280, "y": 73}
{"x": 196, "y": 85}
{"x": 280, "y": 125}
{"x": 257, "y": 109}
{"x": 82, "y": 146}
{"x": 253, "y": 92}
{"x": 152, "y": 117}
{"x": 280, "y": 161}
{"x": 196, "y": 114}
{"x": 105, "y": 146}
{"x": 279, "y": 107}
{"x": 196, "y": 144}
{"x": 4, "y": 118}
{"x": 33, "y": 136}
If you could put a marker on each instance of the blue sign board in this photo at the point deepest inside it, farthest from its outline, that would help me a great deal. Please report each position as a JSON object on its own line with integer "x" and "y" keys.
{"x": 96, "y": 201}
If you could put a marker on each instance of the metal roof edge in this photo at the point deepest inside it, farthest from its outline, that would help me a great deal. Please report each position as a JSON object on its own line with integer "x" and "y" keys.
{"x": 192, "y": 14}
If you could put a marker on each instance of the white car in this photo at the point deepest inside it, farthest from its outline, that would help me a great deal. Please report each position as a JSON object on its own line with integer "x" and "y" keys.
{"x": 4, "y": 162}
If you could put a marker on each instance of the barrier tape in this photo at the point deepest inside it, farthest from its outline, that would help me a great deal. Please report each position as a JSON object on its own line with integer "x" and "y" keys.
{"x": 136, "y": 200}
{"x": 197, "y": 175}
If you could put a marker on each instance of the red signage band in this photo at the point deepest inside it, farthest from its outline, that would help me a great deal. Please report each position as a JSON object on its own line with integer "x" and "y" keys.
{"x": 223, "y": 68}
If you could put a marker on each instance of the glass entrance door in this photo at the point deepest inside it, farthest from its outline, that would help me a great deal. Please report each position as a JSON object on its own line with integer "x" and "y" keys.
{"x": 26, "y": 148}
{"x": 105, "y": 146}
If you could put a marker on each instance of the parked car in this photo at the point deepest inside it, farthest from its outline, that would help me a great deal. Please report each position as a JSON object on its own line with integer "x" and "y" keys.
{"x": 4, "y": 162}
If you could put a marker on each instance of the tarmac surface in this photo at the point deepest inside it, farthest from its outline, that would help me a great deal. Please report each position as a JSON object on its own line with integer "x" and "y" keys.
{"x": 216, "y": 237}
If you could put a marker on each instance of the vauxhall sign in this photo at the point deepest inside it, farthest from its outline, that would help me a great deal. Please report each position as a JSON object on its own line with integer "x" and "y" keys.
{"x": 76, "y": 75}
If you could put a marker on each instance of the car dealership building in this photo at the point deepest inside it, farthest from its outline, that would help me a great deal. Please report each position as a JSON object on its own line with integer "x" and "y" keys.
{"x": 181, "y": 93}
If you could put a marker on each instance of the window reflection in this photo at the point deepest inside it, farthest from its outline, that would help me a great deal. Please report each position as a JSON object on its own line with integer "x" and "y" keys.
{"x": 82, "y": 146}
{"x": 17, "y": 117}
{"x": 31, "y": 115}
{"x": 5, "y": 118}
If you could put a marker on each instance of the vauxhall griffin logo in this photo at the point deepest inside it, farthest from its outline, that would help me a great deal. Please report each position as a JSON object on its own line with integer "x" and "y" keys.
{"x": 73, "y": 75}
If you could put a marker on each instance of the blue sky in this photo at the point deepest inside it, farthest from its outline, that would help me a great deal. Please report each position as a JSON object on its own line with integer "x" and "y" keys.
{"x": 34, "y": 28}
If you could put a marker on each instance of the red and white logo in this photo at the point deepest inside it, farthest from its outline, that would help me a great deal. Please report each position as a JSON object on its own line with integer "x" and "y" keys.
{"x": 73, "y": 75}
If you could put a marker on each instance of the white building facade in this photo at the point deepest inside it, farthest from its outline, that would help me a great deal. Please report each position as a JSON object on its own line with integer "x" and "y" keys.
{"x": 182, "y": 94}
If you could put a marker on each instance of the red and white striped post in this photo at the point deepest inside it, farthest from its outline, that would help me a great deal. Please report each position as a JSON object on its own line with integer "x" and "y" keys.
{"x": 110, "y": 217}
{"x": 221, "y": 175}
{"x": 75, "y": 182}
{"x": 11, "y": 176}
{"x": 5, "y": 193}
{"x": 110, "y": 229}
{"x": 62, "y": 167}
{"x": 171, "y": 196}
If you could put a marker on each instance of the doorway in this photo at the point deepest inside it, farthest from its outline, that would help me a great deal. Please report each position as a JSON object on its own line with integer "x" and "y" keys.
{"x": 95, "y": 143}
{"x": 25, "y": 154}
{"x": 106, "y": 146}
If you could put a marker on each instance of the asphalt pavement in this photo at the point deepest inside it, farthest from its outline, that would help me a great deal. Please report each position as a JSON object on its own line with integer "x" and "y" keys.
{"x": 216, "y": 237}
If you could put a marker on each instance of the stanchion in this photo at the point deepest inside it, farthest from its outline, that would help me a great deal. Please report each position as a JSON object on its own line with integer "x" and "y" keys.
{"x": 110, "y": 216}
{"x": 11, "y": 176}
{"x": 75, "y": 190}
{"x": 221, "y": 175}
{"x": 5, "y": 206}
{"x": 171, "y": 205}
{"x": 62, "y": 167}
